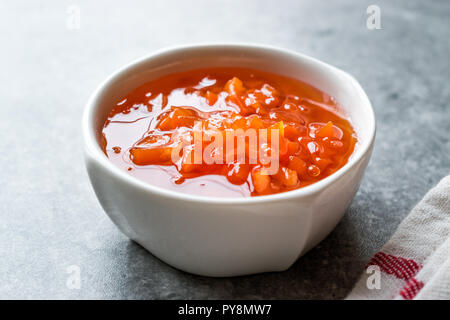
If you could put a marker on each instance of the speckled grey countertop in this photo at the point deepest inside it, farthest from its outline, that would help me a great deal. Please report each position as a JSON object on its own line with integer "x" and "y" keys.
{"x": 49, "y": 216}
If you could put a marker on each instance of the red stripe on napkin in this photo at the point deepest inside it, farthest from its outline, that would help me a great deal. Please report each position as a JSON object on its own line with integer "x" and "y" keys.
{"x": 411, "y": 289}
{"x": 399, "y": 267}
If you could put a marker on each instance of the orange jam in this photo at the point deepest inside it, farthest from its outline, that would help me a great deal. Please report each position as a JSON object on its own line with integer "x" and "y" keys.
{"x": 228, "y": 132}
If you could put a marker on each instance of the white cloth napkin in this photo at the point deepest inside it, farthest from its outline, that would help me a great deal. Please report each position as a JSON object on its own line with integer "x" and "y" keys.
{"x": 415, "y": 262}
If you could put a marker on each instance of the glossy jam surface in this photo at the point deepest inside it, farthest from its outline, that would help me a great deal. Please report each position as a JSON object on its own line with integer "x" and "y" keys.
{"x": 230, "y": 132}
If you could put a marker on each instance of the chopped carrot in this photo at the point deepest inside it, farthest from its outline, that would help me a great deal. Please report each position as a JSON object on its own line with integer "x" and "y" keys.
{"x": 287, "y": 177}
{"x": 260, "y": 179}
{"x": 178, "y": 117}
{"x": 211, "y": 97}
{"x": 297, "y": 164}
{"x": 141, "y": 156}
{"x": 292, "y": 147}
{"x": 238, "y": 173}
{"x": 326, "y": 131}
{"x": 255, "y": 122}
{"x": 180, "y": 113}
{"x": 292, "y": 133}
{"x": 277, "y": 126}
{"x": 234, "y": 87}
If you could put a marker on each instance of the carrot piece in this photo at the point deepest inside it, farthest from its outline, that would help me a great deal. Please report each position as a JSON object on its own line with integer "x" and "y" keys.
{"x": 238, "y": 173}
{"x": 268, "y": 90}
{"x": 165, "y": 123}
{"x": 234, "y": 86}
{"x": 211, "y": 97}
{"x": 292, "y": 133}
{"x": 283, "y": 148}
{"x": 268, "y": 96}
{"x": 177, "y": 117}
{"x": 291, "y": 178}
{"x": 260, "y": 179}
{"x": 239, "y": 123}
{"x": 277, "y": 126}
{"x": 322, "y": 163}
{"x": 326, "y": 131}
{"x": 292, "y": 147}
{"x": 183, "y": 117}
{"x": 148, "y": 156}
{"x": 287, "y": 177}
{"x": 297, "y": 164}
{"x": 255, "y": 122}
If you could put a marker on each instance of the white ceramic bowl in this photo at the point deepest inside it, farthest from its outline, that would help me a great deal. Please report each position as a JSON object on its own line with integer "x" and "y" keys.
{"x": 215, "y": 236}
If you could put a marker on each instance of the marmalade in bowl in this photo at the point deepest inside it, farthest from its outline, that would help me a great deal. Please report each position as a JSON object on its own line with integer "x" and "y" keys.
{"x": 228, "y": 132}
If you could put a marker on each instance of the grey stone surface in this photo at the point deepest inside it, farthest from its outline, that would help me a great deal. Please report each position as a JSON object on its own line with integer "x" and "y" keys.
{"x": 49, "y": 216}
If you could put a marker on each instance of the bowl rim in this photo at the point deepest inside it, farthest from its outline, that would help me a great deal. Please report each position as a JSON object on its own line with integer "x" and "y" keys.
{"x": 93, "y": 149}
